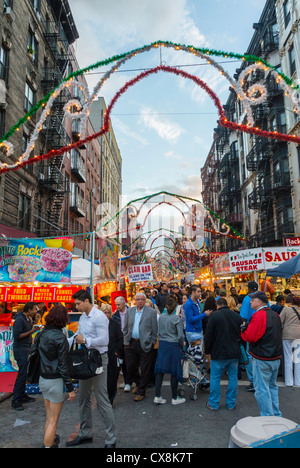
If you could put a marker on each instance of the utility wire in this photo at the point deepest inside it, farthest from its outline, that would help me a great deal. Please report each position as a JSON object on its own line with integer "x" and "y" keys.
{"x": 148, "y": 68}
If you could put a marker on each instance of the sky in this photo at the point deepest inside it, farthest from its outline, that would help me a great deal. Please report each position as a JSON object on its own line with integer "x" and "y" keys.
{"x": 164, "y": 124}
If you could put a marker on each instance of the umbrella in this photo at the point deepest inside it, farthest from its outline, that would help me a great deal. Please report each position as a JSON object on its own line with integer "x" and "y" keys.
{"x": 286, "y": 269}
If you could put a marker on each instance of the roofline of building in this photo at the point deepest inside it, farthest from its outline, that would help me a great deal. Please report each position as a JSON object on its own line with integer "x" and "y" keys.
{"x": 62, "y": 12}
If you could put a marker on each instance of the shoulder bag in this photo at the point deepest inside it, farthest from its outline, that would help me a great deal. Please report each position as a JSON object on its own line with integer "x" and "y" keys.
{"x": 84, "y": 363}
{"x": 295, "y": 310}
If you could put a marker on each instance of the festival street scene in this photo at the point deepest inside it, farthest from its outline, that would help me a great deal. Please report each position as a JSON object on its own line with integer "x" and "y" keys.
{"x": 149, "y": 226}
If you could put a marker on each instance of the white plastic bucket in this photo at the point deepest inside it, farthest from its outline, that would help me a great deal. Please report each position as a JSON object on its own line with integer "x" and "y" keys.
{"x": 253, "y": 429}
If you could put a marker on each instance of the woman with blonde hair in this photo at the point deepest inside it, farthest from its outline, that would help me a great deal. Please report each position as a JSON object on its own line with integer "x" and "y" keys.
{"x": 232, "y": 304}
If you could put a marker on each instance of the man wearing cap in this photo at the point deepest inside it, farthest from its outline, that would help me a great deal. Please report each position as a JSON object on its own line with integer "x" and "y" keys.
{"x": 264, "y": 335}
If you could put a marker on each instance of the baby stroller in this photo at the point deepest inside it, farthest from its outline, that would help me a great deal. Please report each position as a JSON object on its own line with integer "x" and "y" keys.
{"x": 193, "y": 377}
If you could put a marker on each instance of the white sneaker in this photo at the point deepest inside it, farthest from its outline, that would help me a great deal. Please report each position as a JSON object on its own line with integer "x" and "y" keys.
{"x": 122, "y": 385}
{"x": 178, "y": 401}
{"x": 159, "y": 400}
{"x": 127, "y": 388}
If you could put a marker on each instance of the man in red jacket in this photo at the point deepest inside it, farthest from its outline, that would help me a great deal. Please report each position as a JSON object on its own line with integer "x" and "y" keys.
{"x": 264, "y": 333}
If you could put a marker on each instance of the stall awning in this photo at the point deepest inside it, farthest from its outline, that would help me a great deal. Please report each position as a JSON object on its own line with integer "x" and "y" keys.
{"x": 14, "y": 233}
{"x": 287, "y": 269}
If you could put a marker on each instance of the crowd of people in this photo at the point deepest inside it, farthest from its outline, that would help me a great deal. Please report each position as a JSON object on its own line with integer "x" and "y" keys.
{"x": 148, "y": 339}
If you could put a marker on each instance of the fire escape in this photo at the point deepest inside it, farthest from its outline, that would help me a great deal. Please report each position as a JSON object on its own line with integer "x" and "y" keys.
{"x": 52, "y": 179}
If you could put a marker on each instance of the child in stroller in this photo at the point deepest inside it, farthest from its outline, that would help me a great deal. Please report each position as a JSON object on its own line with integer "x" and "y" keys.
{"x": 193, "y": 371}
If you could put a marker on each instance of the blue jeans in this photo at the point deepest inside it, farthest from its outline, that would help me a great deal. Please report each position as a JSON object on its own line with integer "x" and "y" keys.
{"x": 266, "y": 390}
{"x": 217, "y": 369}
{"x": 248, "y": 367}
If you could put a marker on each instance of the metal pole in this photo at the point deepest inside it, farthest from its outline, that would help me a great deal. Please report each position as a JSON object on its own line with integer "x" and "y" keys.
{"x": 120, "y": 266}
{"x": 92, "y": 266}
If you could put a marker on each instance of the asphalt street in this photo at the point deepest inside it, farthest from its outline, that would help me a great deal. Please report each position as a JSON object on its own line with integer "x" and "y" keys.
{"x": 144, "y": 424}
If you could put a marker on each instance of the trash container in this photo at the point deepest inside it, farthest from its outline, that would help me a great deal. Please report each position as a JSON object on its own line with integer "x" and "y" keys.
{"x": 253, "y": 429}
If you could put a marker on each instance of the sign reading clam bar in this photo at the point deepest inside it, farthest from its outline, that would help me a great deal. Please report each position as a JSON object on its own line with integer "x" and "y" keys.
{"x": 36, "y": 260}
{"x": 138, "y": 273}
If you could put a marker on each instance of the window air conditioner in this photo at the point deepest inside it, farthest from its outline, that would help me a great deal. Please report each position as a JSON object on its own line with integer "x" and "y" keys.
{"x": 8, "y": 12}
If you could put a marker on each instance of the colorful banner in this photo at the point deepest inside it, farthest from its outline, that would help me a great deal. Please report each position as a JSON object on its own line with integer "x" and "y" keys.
{"x": 222, "y": 265}
{"x": 7, "y": 360}
{"x": 38, "y": 294}
{"x": 213, "y": 256}
{"x": 275, "y": 256}
{"x": 260, "y": 258}
{"x": 246, "y": 260}
{"x": 19, "y": 294}
{"x": 138, "y": 273}
{"x": 31, "y": 260}
{"x": 108, "y": 261}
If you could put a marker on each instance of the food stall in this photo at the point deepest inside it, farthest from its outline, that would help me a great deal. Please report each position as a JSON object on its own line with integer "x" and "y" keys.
{"x": 44, "y": 271}
{"x": 41, "y": 271}
{"x": 239, "y": 267}
{"x": 252, "y": 264}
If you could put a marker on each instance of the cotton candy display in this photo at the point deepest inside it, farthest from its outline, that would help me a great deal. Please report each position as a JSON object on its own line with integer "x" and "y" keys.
{"x": 55, "y": 260}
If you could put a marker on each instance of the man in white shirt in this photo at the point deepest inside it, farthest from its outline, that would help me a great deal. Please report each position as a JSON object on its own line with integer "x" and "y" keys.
{"x": 93, "y": 332}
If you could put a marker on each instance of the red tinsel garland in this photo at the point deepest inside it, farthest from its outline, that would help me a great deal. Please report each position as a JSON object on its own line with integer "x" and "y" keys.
{"x": 106, "y": 125}
{"x": 223, "y": 121}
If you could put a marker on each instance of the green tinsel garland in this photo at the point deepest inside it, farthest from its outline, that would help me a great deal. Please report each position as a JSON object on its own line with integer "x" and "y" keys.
{"x": 115, "y": 58}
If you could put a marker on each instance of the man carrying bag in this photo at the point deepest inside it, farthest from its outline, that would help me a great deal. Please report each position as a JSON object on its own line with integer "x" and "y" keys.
{"x": 84, "y": 363}
{"x": 93, "y": 334}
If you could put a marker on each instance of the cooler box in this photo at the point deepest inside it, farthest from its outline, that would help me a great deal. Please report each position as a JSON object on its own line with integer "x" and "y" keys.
{"x": 249, "y": 430}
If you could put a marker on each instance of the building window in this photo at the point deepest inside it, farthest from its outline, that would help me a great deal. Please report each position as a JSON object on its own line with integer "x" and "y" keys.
{"x": 29, "y": 98}
{"x": 286, "y": 12}
{"x": 298, "y": 154}
{"x": 32, "y": 47}
{"x": 4, "y": 64}
{"x": 8, "y": 4}
{"x": 24, "y": 212}
{"x": 36, "y": 5}
{"x": 278, "y": 122}
{"x": 292, "y": 60}
{"x": 2, "y": 123}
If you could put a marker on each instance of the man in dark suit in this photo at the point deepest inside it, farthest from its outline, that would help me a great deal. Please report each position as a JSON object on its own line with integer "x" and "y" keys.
{"x": 140, "y": 335}
{"x": 115, "y": 353}
{"x": 119, "y": 317}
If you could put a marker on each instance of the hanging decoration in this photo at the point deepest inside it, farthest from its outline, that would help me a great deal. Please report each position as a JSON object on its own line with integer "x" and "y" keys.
{"x": 223, "y": 228}
{"x": 254, "y": 95}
